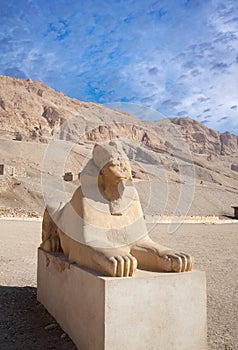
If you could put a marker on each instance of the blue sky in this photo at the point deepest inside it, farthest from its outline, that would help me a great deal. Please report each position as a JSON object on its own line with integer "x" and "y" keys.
{"x": 179, "y": 57}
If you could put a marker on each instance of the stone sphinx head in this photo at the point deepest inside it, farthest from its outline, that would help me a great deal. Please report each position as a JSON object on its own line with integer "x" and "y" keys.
{"x": 114, "y": 167}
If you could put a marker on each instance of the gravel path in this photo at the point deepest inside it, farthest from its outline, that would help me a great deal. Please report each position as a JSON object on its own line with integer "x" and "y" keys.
{"x": 24, "y": 323}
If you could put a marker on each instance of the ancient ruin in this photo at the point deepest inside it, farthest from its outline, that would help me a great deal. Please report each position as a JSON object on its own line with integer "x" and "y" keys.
{"x": 102, "y": 227}
{"x": 235, "y": 211}
{"x": 68, "y": 176}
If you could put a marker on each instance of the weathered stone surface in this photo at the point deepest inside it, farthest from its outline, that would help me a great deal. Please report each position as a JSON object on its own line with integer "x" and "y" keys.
{"x": 149, "y": 311}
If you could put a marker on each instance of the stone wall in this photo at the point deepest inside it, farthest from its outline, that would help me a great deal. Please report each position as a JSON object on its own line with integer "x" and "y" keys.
{"x": 10, "y": 170}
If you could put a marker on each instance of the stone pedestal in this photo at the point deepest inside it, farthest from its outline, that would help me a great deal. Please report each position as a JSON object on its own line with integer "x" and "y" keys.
{"x": 151, "y": 310}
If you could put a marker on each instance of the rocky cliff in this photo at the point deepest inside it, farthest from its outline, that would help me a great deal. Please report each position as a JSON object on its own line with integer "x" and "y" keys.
{"x": 30, "y": 110}
{"x": 169, "y": 151}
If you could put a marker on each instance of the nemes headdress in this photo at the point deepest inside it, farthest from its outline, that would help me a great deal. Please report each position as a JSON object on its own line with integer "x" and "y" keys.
{"x": 105, "y": 152}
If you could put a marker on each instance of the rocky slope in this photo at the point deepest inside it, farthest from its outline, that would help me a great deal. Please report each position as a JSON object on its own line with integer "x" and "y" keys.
{"x": 173, "y": 152}
{"x": 203, "y": 140}
{"x": 35, "y": 112}
{"x": 32, "y": 111}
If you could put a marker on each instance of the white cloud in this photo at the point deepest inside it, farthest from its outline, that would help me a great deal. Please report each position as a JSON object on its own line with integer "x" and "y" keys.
{"x": 203, "y": 75}
{"x": 178, "y": 57}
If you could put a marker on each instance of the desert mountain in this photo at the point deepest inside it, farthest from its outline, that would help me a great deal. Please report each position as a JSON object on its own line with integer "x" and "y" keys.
{"x": 171, "y": 153}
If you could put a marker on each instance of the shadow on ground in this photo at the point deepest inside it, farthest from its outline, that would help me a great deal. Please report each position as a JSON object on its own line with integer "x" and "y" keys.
{"x": 229, "y": 217}
{"x": 23, "y": 321}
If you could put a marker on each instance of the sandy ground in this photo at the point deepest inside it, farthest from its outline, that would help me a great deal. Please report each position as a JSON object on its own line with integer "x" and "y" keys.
{"x": 214, "y": 248}
{"x": 24, "y": 323}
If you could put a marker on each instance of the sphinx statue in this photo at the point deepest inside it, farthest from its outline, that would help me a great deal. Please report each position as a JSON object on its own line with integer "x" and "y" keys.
{"x": 102, "y": 227}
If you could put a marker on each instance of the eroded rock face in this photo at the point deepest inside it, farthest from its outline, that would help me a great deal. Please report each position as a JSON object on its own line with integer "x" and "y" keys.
{"x": 103, "y": 227}
{"x": 203, "y": 140}
{"x": 127, "y": 131}
{"x": 52, "y": 116}
{"x": 234, "y": 167}
{"x": 228, "y": 143}
{"x": 27, "y": 106}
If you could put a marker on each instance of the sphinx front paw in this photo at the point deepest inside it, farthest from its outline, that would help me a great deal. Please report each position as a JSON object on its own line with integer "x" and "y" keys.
{"x": 115, "y": 263}
{"x": 123, "y": 265}
{"x": 172, "y": 261}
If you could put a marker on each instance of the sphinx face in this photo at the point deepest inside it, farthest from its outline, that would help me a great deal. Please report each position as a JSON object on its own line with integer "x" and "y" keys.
{"x": 116, "y": 170}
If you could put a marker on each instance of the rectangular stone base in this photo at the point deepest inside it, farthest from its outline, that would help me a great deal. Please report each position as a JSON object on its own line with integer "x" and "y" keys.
{"x": 148, "y": 311}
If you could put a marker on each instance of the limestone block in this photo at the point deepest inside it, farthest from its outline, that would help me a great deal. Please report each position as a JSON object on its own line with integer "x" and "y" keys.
{"x": 151, "y": 310}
